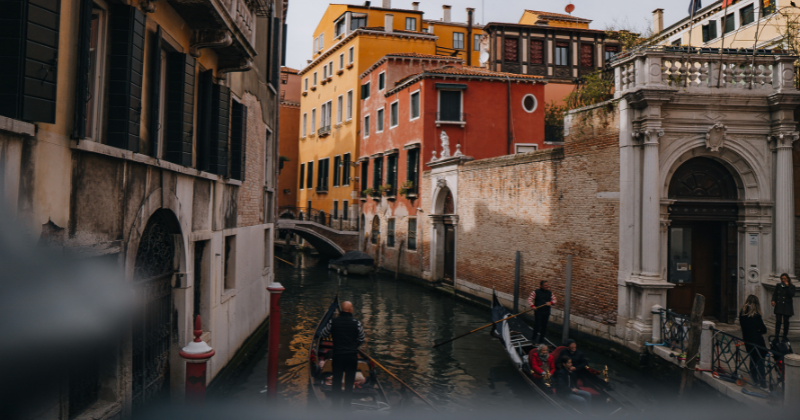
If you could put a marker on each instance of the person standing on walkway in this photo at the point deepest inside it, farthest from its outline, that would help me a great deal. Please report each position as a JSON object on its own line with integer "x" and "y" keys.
{"x": 348, "y": 336}
{"x": 753, "y": 330}
{"x": 784, "y": 309}
{"x": 545, "y": 298}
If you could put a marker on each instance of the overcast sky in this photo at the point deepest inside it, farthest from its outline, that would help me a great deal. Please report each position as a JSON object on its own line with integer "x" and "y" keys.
{"x": 305, "y": 14}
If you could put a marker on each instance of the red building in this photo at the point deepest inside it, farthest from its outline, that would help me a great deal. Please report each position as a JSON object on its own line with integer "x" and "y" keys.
{"x": 409, "y": 103}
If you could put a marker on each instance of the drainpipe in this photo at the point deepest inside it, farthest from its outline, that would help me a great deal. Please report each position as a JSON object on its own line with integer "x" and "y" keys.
{"x": 470, "y": 11}
{"x": 510, "y": 132}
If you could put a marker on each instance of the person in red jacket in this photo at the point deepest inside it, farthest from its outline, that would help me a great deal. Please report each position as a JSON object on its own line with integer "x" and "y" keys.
{"x": 541, "y": 361}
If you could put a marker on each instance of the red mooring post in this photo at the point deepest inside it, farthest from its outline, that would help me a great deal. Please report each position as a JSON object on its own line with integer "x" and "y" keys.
{"x": 275, "y": 290}
{"x": 196, "y": 355}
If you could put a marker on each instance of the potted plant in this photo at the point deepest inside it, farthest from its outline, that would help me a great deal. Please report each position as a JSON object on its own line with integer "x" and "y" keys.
{"x": 407, "y": 188}
{"x": 369, "y": 191}
{"x": 384, "y": 189}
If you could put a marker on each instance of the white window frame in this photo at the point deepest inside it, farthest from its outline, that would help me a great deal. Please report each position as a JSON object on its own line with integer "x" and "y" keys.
{"x": 517, "y": 145}
{"x": 379, "y": 120}
{"x": 383, "y": 75}
{"x": 366, "y": 126}
{"x": 352, "y": 55}
{"x": 411, "y": 19}
{"x": 535, "y": 103}
{"x": 411, "y": 105}
{"x": 349, "y": 105}
{"x": 476, "y": 41}
{"x": 324, "y": 72}
{"x": 96, "y": 114}
{"x": 392, "y": 106}
{"x": 330, "y": 68}
{"x": 313, "y": 121}
{"x": 321, "y": 41}
{"x": 341, "y": 61}
{"x": 339, "y": 110}
{"x": 439, "y": 106}
{"x": 305, "y": 124}
{"x": 463, "y": 46}
{"x": 305, "y": 85}
{"x": 315, "y": 80}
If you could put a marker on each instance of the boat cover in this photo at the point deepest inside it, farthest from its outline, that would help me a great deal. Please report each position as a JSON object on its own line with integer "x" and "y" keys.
{"x": 354, "y": 258}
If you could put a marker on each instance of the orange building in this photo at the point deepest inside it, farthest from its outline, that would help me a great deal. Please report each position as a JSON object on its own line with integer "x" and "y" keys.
{"x": 289, "y": 136}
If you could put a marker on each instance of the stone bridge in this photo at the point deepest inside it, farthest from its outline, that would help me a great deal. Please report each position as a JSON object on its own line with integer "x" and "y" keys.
{"x": 331, "y": 238}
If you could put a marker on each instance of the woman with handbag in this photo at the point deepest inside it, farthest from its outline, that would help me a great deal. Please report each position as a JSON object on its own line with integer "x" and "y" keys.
{"x": 784, "y": 308}
{"x": 753, "y": 330}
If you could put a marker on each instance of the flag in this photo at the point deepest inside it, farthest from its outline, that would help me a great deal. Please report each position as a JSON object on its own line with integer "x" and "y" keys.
{"x": 726, "y": 3}
{"x": 695, "y": 5}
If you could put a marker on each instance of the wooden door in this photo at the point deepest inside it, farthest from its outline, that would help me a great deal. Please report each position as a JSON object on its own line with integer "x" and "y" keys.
{"x": 705, "y": 266}
{"x": 449, "y": 251}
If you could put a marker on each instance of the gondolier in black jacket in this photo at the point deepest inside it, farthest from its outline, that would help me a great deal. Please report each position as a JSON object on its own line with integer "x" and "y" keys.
{"x": 348, "y": 335}
{"x": 545, "y": 298}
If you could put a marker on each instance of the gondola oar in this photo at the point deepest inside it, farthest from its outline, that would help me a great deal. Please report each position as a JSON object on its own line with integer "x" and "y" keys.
{"x": 287, "y": 262}
{"x": 486, "y": 326}
{"x": 399, "y": 380}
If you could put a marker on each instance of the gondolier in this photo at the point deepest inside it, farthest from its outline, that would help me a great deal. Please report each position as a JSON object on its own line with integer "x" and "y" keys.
{"x": 545, "y": 298}
{"x": 348, "y": 335}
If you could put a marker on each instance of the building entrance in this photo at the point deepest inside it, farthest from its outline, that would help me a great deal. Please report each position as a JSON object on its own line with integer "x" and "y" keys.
{"x": 449, "y": 251}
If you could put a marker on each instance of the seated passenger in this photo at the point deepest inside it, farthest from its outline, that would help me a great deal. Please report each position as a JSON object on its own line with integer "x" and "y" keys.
{"x": 360, "y": 379}
{"x": 579, "y": 362}
{"x": 541, "y": 361}
{"x": 567, "y": 385}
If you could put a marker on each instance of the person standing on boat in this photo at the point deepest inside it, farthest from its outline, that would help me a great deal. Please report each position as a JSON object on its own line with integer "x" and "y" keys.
{"x": 348, "y": 336}
{"x": 579, "y": 362}
{"x": 784, "y": 308}
{"x": 567, "y": 384}
{"x": 753, "y": 330}
{"x": 545, "y": 298}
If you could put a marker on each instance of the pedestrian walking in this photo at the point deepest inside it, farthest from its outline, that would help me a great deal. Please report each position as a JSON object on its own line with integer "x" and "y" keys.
{"x": 545, "y": 298}
{"x": 753, "y": 330}
{"x": 348, "y": 335}
{"x": 784, "y": 309}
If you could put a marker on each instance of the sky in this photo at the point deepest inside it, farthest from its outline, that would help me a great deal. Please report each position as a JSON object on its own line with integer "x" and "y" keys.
{"x": 304, "y": 15}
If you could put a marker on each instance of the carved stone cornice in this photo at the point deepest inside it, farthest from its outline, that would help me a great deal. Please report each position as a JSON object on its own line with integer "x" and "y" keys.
{"x": 784, "y": 140}
{"x": 643, "y": 98}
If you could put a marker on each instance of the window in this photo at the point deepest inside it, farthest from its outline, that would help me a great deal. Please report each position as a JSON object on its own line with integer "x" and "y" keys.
{"x": 525, "y": 148}
{"x": 366, "y": 126}
{"x": 305, "y": 84}
{"x": 315, "y": 79}
{"x": 365, "y": 88}
{"x": 511, "y": 51}
{"x": 746, "y": 15}
{"x": 391, "y": 174}
{"x": 321, "y": 41}
{"x": 376, "y": 230}
{"x": 95, "y": 79}
{"x": 335, "y": 211}
{"x": 337, "y": 163}
{"x": 352, "y": 55}
{"x": 412, "y": 234}
{"x": 767, "y": 7}
{"x": 330, "y": 69}
{"x": 458, "y": 40}
{"x": 382, "y": 81}
{"x": 313, "y": 121}
{"x": 346, "y": 210}
{"x": 611, "y": 50}
{"x": 415, "y": 105}
{"x": 529, "y": 103}
{"x": 324, "y": 73}
{"x": 305, "y": 120}
{"x": 729, "y": 23}
{"x": 349, "y": 105}
{"x": 476, "y": 42}
{"x": 449, "y": 105}
{"x": 364, "y": 175}
{"x": 230, "y": 262}
{"x": 327, "y": 115}
{"x": 341, "y": 61}
{"x": 339, "y": 109}
{"x": 379, "y": 121}
{"x": 377, "y": 173}
{"x": 310, "y": 177}
{"x": 394, "y": 114}
{"x": 340, "y": 27}
{"x": 411, "y": 24}
{"x": 587, "y": 55}
{"x": 677, "y": 42}
{"x": 412, "y": 170}
{"x": 346, "y": 169}
{"x": 562, "y": 53}
{"x": 322, "y": 174}
{"x": 390, "y": 234}
{"x": 358, "y": 22}
{"x": 302, "y": 175}
{"x": 537, "y": 52}
{"x": 709, "y": 31}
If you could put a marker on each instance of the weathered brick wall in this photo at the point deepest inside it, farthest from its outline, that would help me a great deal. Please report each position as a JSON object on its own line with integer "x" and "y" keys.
{"x": 251, "y": 192}
{"x": 547, "y": 204}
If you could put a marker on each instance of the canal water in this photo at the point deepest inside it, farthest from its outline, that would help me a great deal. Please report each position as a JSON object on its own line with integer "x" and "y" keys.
{"x": 402, "y": 321}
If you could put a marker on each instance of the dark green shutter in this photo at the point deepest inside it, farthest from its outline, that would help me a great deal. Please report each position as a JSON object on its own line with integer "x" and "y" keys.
{"x": 155, "y": 93}
{"x": 283, "y": 40}
{"x": 82, "y": 81}
{"x": 276, "y": 51}
{"x": 126, "y": 25}
{"x": 220, "y": 115}
{"x": 238, "y": 140}
{"x": 180, "y": 108}
{"x": 365, "y": 91}
{"x": 28, "y": 59}
{"x": 204, "y": 105}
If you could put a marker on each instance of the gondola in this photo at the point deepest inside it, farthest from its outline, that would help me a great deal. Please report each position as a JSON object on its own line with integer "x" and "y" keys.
{"x": 515, "y": 336}
{"x": 369, "y": 395}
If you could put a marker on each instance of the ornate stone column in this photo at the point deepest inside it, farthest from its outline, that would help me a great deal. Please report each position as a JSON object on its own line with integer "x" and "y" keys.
{"x": 651, "y": 205}
{"x": 784, "y": 203}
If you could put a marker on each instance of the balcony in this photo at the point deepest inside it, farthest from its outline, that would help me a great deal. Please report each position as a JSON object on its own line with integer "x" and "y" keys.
{"x": 322, "y": 189}
{"x": 455, "y": 118}
{"x": 324, "y": 131}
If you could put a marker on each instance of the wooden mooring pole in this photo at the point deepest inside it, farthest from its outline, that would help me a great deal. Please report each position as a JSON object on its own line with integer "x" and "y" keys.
{"x": 516, "y": 283}
{"x": 567, "y": 295}
{"x": 695, "y": 330}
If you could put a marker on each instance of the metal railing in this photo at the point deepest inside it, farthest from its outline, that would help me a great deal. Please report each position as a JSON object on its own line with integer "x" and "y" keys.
{"x": 675, "y": 330}
{"x": 448, "y": 117}
{"x": 732, "y": 360}
{"x": 321, "y": 217}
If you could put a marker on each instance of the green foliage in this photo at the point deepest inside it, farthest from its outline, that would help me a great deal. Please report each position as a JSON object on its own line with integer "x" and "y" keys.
{"x": 369, "y": 191}
{"x": 406, "y": 188}
{"x": 554, "y": 114}
{"x": 594, "y": 88}
{"x": 383, "y": 189}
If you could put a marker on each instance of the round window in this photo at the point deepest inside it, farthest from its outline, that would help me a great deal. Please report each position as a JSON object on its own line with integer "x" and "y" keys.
{"x": 529, "y": 103}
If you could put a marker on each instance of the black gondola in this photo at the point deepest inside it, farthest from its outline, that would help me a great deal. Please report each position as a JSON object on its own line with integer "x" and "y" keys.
{"x": 367, "y": 396}
{"x": 515, "y": 336}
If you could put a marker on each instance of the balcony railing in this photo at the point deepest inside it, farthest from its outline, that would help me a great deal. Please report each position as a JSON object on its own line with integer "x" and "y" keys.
{"x": 324, "y": 131}
{"x": 321, "y": 217}
{"x": 209, "y": 15}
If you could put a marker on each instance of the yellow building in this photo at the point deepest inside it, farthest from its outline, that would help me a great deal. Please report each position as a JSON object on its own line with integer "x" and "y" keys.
{"x": 558, "y": 20}
{"x": 454, "y": 37}
{"x": 347, "y": 41}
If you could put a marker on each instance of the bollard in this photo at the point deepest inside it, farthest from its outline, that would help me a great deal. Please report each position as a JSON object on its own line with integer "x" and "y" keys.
{"x": 706, "y": 346}
{"x": 791, "y": 384}
{"x": 656, "y": 336}
{"x": 275, "y": 290}
{"x": 196, "y": 355}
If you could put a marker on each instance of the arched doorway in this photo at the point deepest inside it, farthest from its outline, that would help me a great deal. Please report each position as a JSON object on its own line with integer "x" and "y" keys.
{"x": 375, "y": 236}
{"x": 703, "y": 238}
{"x": 444, "y": 235}
{"x": 153, "y": 271}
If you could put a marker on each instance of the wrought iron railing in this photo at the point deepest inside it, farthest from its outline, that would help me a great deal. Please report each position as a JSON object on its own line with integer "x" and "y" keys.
{"x": 732, "y": 360}
{"x": 674, "y": 330}
{"x": 306, "y": 214}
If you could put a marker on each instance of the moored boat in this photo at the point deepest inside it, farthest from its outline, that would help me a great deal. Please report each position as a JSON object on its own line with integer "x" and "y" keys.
{"x": 368, "y": 394}
{"x": 353, "y": 262}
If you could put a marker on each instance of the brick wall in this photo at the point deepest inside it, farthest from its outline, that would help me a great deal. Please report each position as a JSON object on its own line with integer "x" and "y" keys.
{"x": 251, "y": 192}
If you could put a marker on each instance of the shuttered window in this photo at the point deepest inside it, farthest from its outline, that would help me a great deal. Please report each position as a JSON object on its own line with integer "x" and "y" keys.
{"x": 302, "y": 175}
{"x": 346, "y": 169}
{"x": 180, "y": 108}
{"x": 28, "y": 59}
{"x": 310, "y": 177}
{"x": 377, "y": 173}
{"x": 511, "y": 50}
{"x": 126, "y": 26}
{"x": 337, "y": 163}
{"x": 88, "y": 37}
{"x": 537, "y": 52}
{"x": 587, "y": 55}
{"x": 364, "y": 177}
{"x": 412, "y": 169}
{"x": 449, "y": 105}
{"x": 220, "y": 118}
{"x": 238, "y": 140}
{"x": 391, "y": 174}
{"x": 155, "y": 92}
{"x": 365, "y": 90}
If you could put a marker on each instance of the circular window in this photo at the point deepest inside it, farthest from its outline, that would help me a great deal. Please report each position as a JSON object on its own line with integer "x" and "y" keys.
{"x": 529, "y": 103}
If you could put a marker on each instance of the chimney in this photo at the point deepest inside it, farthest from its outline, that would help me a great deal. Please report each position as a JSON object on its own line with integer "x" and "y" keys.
{"x": 446, "y": 13}
{"x": 389, "y": 23}
{"x": 415, "y": 5}
{"x": 387, "y": 4}
{"x": 367, "y": 3}
{"x": 470, "y": 11}
{"x": 658, "y": 21}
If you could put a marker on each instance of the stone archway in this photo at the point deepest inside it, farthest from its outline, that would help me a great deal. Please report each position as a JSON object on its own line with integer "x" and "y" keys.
{"x": 445, "y": 224}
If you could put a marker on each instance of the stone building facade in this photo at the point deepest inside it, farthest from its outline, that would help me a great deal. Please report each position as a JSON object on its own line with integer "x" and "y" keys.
{"x": 150, "y": 142}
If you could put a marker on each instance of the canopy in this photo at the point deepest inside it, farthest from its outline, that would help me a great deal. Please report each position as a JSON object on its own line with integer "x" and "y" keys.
{"x": 354, "y": 257}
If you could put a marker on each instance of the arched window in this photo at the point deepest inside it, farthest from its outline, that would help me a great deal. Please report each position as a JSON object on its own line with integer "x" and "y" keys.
{"x": 376, "y": 229}
{"x": 702, "y": 179}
